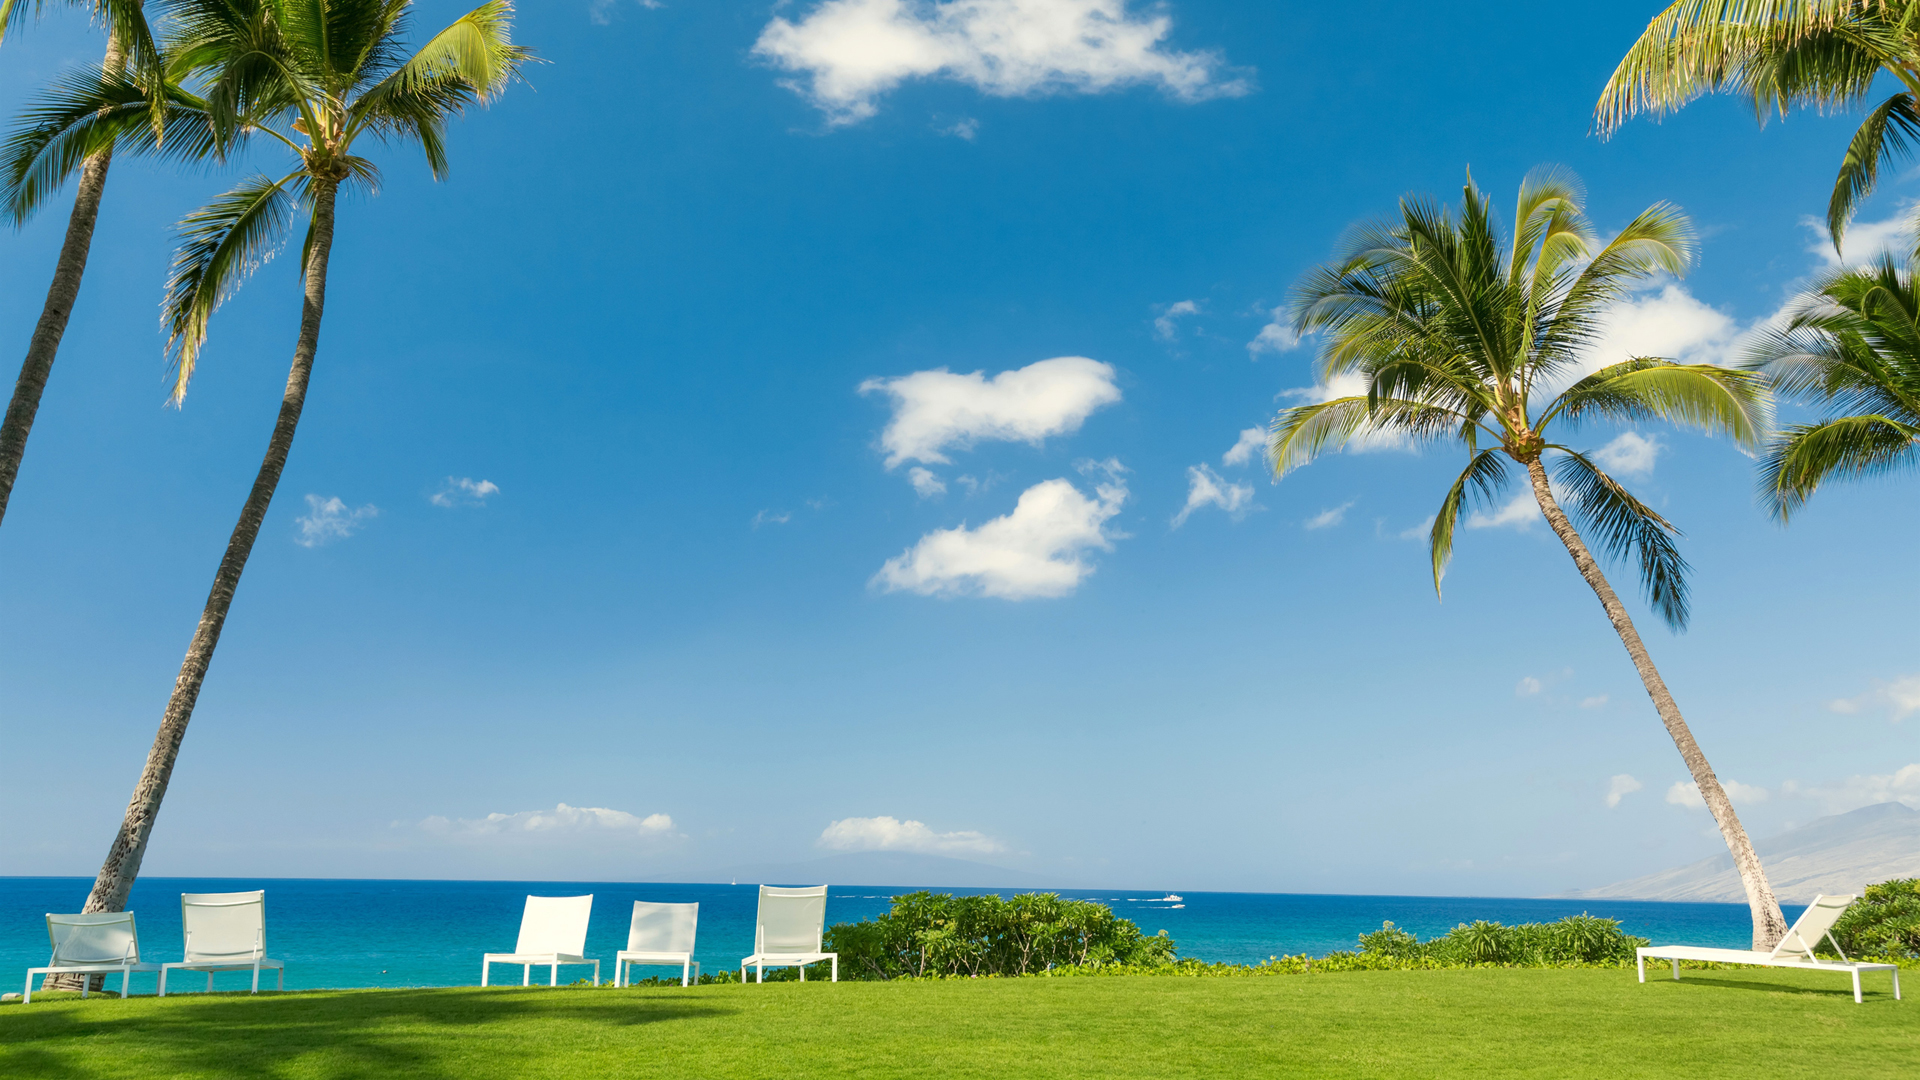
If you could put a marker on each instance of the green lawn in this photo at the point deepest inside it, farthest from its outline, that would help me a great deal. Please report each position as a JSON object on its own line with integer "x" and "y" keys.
{"x": 1552, "y": 1023}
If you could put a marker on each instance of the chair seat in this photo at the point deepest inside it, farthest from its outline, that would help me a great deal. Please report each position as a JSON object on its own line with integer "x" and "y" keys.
{"x": 98, "y": 968}
{"x": 1758, "y": 959}
{"x": 771, "y": 959}
{"x": 247, "y": 964}
{"x": 535, "y": 958}
{"x": 642, "y": 957}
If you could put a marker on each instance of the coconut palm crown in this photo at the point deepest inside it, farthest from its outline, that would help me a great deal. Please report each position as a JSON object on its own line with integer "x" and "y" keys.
{"x": 1783, "y": 55}
{"x": 1852, "y": 343}
{"x": 1460, "y": 336}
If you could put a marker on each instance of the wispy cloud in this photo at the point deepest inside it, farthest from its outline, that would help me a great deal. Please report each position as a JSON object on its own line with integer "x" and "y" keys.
{"x": 331, "y": 519}
{"x": 1899, "y": 697}
{"x": 1622, "y": 786}
{"x": 561, "y": 821}
{"x": 1837, "y": 797}
{"x": 892, "y": 834}
{"x": 925, "y": 483}
{"x": 1629, "y": 454}
{"x": 1328, "y": 518}
{"x": 1520, "y": 512}
{"x": 1038, "y": 550}
{"x": 1208, "y": 488}
{"x": 1167, "y": 325}
{"x": 934, "y": 411}
{"x": 1422, "y": 531}
{"x": 1594, "y": 702}
{"x": 1865, "y": 241}
{"x": 464, "y": 491}
{"x": 1686, "y": 793}
{"x": 847, "y": 54}
{"x": 772, "y": 517}
{"x": 1252, "y": 442}
{"x": 1528, "y": 686}
{"x": 964, "y": 128}
{"x": 600, "y": 12}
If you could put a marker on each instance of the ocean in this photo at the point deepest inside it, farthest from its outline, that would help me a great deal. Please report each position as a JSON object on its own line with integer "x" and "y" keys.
{"x": 340, "y": 933}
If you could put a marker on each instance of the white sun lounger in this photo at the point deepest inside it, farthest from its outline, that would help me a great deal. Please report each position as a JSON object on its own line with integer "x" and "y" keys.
{"x": 787, "y": 932}
{"x": 553, "y": 931}
{"x": 225, "y": 932}
{"x": 660, "y": 934}
{"x": 97, "y": 943}
{"x": 1794, "y": 951}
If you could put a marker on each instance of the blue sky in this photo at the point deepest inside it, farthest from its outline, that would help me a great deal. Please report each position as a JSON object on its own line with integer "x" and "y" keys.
{"x": 630, "y": 479}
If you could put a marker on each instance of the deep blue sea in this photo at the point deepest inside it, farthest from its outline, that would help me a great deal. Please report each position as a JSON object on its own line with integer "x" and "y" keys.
{"x": 337, "y": 933}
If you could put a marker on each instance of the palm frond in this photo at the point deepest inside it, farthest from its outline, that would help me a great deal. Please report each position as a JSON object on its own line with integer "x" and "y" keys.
{"x": 1300, "y": 434}
{"x": 469, "y": 62}
{"x": 125, "y": 20}
{"x": 222, "y": 243}
{"x": 1803, "y": 457}
{"x": 1892, "y": 128}
{"x": 1715, "y": 400}
{"x": 1623, "y": 527}
{"x": 1484, "y": 478}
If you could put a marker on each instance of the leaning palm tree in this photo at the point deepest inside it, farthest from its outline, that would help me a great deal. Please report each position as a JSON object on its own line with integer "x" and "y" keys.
{"x": 316, "y": 78}
{"x": 1462, "y": 338}
{"x": 1852, "y": 343}
{"x": 127, "y": 36}
{"x": 1782, "y": 55}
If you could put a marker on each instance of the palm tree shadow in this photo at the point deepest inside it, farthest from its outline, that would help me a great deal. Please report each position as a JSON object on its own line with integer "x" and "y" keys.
{"x": 375, "y": 1035}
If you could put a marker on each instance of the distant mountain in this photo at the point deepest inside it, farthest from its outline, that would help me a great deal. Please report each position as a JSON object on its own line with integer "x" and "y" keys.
{"x": 887, "y": 868}
{"x": 1833, "y": 855}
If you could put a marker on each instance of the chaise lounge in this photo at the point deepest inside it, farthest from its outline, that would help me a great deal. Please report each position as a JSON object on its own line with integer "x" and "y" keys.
{"x": 1794, "y": 951}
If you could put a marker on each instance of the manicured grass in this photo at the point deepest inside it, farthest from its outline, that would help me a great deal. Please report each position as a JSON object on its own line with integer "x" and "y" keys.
{"x": 1549, "y": 1023}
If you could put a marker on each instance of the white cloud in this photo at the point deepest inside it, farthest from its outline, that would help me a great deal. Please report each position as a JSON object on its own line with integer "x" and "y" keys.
{"x": 560, "y": 822}
{"x": 1520, "y": 513}
{"x": 1593, "y": 702}
{"x": 1666, "y": 321}
{"x": 1038, "y": 550}
{"x": 600, "y": 12}
{"x": 892, "y": 834}
{"x": 464, "y": 491}
{"x": 1528, "y": 686}
{"x": 965, "y": 128}
{"x": 1168, "y": 322}
{"x": 328, "y": 520}
{"x": 1252, "y": 441}
{"x": 1208, "y": 488}
{"x": 1901, "y": 698}
{"x": 1686, "y": 793}
{"x": 925, "y": 483}
{"x": 772, "y": 517}
{"x": 937, "y": 410}
{"x": 1865, "y": 240}
{"x": 1901, "y": 785}
{"x": 1629, "y": 454}
{"x": 1275, "y": 337}
{"x": 1330, "y": 517}
{"x": 1422, "y": 531}
{"x": 1620, "y": 787}
{"x": 846, "y": 54}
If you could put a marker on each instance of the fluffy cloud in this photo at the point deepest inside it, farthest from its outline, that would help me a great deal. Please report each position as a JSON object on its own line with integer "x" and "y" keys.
{"x": 1520, "y": 512}
{"x": 936, "y": 410}
{"x": 1208, "y": 488}
{"x": 1865, "y": 240}
{"x": 925, "y": 483}
{"x": 1622, "y": 786}
{"x": 1038, "y": 550}
{"x": 559, "y": 822}
{"x": 1528, "y": 686}
{"x": 846, "y": 54}
{"x": 1900, "y": 698}
{"x": 1665, "y": 321}
{"x": 1328, "y": 518}
{"x": 464, "y": 491}
{"x": 966, "y": 128}
{"x": 892, "y": 834}
{"x": 1593, "y": 702}
{"x": 1275, "y": 337}
{"x": 330, "y": 519}
{"x": 1901, "y": 785}
{"x": 1252, "y": 441}
{"x": 1422, "y": 531}
{"x": 1686, "y": 793}
{"x": 1629, "y": 454}
{"x": 1168, "y": 323}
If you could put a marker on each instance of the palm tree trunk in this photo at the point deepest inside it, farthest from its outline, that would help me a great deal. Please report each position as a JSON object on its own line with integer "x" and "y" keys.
{"x": 67, "y": 271}
{"x": 116, "y": 876}
{"x": 1769, "y": 925}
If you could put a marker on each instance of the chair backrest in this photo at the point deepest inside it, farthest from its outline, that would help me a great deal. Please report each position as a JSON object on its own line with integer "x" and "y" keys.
{"x": 101, "y": 937}
{"x": 224, "y": 926}
{"x": 1812, "y": 925}
{"x": 790, "y": 920}
{"x": 663, "y": 928}
{"x": 555, "y": 924}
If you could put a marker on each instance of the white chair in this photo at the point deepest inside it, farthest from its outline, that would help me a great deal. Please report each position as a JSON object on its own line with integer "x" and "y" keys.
{"x": 97, "y": 943}
{"x": 660, "y": 934}
{"x": 1794, "y": 951}
{"x": 225, "y": 932}
{"x": 553, "y": 931}
{"x": 787, "y": 932}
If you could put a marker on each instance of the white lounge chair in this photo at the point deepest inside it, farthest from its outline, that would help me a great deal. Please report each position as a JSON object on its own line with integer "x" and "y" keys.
{"x": 787, "y": 932}
{"x": 98, "y": 943}
{"x": 1794, "y": 951}
{"x": 225, "y": 932}
{"x": 660, "y": 934}
{"x": 553, "y": 931}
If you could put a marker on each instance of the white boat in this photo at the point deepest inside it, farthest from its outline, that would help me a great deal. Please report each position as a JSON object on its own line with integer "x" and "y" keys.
{"x": 1172, "y": 898}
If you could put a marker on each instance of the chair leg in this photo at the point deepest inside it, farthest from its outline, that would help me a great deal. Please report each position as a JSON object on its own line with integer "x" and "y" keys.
{"x": 836, "y": 969}
{"x": 163, "y": 982}
{"x": 1896, "y": 984}
{"x": 256, "y": 977}
{"x": 526, "y": 974}
{"x": 280, "y": 979}
{"x": 209, "y": 982}
{"x": 553, "y": 976}
{"x": 27, "y": 998}
{"x": 686, "y": 973}
{"x": 759, "y": 973}
{"x": 483, "y": 972}
{"x": 596, "y": 973}
{"x": 85, "y": 981}
{"x": 1676, "y": 969}
{"x": 126, "y": 976}
{"x": 1856, "y": 986}
{"x": 803, "y": 973}
{"x": 1642, "y": 961}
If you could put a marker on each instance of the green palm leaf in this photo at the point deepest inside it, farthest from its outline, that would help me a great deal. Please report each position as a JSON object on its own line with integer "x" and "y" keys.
{"x": 1484, "y": 478}
{"x": 1625, "y": 527}
{"x": 1711, "y": 399}
{"x": 222, "y": 244}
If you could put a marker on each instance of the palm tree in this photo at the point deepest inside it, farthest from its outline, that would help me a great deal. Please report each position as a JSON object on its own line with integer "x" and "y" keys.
{"x": 1782, "y": 55}
{"x": 1852, "y": 342}
{"x": 127, "y": 32}
{"x": 315, "y": 78}
{"x": 1461, "y": 336}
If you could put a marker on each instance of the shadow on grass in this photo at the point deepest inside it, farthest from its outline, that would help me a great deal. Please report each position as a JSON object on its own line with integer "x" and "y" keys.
{"x": 1842, "y": 986}
{"x": 384, "y": 1033}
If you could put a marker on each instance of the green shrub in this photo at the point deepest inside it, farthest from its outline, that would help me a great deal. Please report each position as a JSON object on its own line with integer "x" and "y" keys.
{"x": 1576, "y": 939}
{"x": 1884, "y": 923}
{"x": 937, "y": 934}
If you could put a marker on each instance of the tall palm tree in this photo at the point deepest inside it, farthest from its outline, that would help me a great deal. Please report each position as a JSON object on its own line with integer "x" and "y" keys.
{"x": 1782, "y": 55}
{"x": 315, "y": 77}
{"x": 1851, "y": 342}
{"x": 127, "y": 33}
{"x": 1463, "y": 337}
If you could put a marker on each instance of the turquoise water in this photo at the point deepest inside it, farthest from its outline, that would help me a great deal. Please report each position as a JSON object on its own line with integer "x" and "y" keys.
{"x": 338, "y": 933}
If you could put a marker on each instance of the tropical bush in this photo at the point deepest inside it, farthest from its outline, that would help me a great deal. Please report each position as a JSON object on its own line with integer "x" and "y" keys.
{"x": 937, "y": 934}
{"x": 1884, "y": 923}
{"x": 1576, "y": 939}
